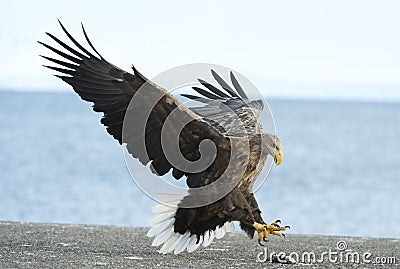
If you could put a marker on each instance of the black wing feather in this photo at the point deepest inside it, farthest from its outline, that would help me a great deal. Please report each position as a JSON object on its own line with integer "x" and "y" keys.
{"x": 206, "y": 93}
{"x": 213, "y": 89}
{"x": 65, "y": 46}
{"x": 68, "y": 65}
{"x": 61, "y": 70}
{"x": 223, "y": 84}
{"x": 75, "y": 42}
{"x": 90, "y": 43}
{"x": 237, "y": 86}
{"x": 62, "y": 54}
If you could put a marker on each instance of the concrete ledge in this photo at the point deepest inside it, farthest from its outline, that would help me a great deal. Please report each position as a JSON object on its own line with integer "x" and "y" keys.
{"x": 37, "y": 245}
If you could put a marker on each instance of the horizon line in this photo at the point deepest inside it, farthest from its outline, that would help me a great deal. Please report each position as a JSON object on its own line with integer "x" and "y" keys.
{"x": 272, "y": 97}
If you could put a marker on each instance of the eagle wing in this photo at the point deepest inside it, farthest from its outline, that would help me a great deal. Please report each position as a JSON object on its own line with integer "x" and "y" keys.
{"x": 228, "y": 109}
{"x": 111, "y": 90}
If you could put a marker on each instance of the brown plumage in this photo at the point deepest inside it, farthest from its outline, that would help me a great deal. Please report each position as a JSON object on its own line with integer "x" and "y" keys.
{"x": 223, "y": 111}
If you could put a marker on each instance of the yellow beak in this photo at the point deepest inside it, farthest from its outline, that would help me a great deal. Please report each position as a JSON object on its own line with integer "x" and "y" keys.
{"x": 278, "y": 157}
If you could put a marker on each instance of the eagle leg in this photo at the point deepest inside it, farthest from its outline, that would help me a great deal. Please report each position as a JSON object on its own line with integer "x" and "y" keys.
{"x": 264, "y": 230}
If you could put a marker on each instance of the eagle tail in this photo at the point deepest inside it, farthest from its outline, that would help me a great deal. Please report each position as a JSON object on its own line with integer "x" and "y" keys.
{"x": 163, "y": 229}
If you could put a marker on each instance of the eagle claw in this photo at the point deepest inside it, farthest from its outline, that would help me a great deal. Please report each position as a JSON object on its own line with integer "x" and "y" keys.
{"x": 264, "y": 230}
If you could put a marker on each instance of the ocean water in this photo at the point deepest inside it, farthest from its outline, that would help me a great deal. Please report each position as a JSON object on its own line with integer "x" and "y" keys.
{"x": 340, "y": 175}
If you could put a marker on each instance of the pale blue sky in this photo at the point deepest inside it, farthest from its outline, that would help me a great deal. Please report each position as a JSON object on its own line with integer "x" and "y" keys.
{"x": 318, "y": 49}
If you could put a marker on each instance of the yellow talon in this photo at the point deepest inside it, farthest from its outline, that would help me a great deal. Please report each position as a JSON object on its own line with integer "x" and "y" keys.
{"x": 258, "y": 226}
{"x": 263, "y": 230}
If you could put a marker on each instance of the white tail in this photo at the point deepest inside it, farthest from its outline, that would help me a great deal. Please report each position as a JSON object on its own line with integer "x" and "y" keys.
{"x": 163, "y": 229}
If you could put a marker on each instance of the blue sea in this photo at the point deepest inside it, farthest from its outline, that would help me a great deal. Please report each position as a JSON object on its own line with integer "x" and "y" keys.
{"x": 340, "y": 175}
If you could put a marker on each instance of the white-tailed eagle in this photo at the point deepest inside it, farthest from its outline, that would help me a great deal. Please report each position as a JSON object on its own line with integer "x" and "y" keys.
{"x": 183, "y": 227}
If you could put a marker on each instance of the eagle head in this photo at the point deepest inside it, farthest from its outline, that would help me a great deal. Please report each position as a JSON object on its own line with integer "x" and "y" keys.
{"x": 274, "y": 147}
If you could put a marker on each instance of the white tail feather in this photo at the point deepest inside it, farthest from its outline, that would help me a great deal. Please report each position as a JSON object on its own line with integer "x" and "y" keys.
{"x": 230, "y": 227}
{"x": 175, "y": 244}
{"x": 161, "y": 217}
{"x": 170, "y": 199}
{"x": 163, "y": 229}
{"x": 195, "y": 246}
{"x": 162, "y": 237}
{"x": 160, "y": 209}
{"x": 208, "y": 238}
{"x": 160, "y": 227}
{"x": 182, "y": 244}
{"x": 170, "y": 242}
{"x": 192, "y": 241}
{"x": 220, "y": 232}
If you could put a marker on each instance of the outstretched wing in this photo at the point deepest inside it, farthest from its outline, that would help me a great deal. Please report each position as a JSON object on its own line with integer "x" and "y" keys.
{"x": 227, "y": 108}
{"x": 111, "y": 90}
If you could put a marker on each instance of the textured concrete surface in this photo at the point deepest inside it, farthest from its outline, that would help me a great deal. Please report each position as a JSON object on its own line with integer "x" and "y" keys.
{"x": 37, "y": 245}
